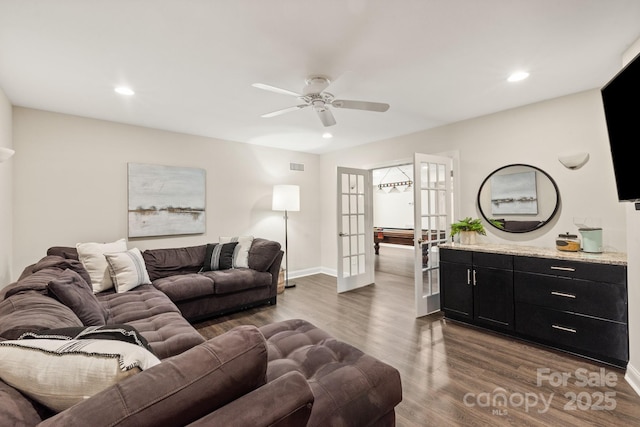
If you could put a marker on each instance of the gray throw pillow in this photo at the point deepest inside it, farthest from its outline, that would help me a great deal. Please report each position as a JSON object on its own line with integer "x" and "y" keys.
{"x": 74, "y": 292}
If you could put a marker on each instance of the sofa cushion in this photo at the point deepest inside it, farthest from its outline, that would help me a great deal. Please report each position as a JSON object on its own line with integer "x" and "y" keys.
{"x": 181, "y": 389}
{"x": 127, "y": 269}
{"x": 219, "y": 256}
{"x": 33, "y": 311}
{"x": 59, "y": 374}
{"x": 346, "y": 383}
{"x": 237, "y": 279}
{"x": 91, "y": 255}
{"x": 171, "y": 261}
{"x": 62, "y": 264}
{"x": 155, "y": 316}
{"x": 241, "y": 253}
{"x": 185, "y": 286}
{"x": 262, "y": 254}
{"x": 17, "y": 410}
{"x": 74, "y": 292}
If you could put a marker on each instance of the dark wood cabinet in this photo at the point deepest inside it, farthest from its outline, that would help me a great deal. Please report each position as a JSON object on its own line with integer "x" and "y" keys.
{"x": 477, "y": 287}
{"x": 578, "y": 306}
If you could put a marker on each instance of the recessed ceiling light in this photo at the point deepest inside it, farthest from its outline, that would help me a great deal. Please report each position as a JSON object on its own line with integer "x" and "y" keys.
{"x": 517, "y": 76}
{"x": 123, "y": 90}
{"x": 327, "y": 135}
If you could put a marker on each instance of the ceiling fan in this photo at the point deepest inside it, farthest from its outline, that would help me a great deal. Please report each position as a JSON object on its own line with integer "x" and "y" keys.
{"x": 314, "y": 95}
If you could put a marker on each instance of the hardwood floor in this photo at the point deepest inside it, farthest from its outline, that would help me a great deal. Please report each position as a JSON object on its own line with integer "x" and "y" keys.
{"x": 452, "y": 374}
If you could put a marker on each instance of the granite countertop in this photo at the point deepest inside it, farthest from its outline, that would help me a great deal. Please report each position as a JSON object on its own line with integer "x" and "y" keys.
{"x": 616, "y": 258}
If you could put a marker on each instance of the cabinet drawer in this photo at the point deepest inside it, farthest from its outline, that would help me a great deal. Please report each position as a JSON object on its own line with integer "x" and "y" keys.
{"x": 455, "y": 255}
{"x": 607, "y": 273}
{"x": 605, "y": 300}
{"x": 573, "y": 332}
{"x": 484, "y": 259}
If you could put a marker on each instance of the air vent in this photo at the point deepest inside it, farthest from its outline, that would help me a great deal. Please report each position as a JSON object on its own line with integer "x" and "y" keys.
{"x": 296, "y": 166}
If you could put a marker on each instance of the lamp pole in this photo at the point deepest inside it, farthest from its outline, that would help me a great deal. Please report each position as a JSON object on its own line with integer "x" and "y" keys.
{"x": 286, "y": 253}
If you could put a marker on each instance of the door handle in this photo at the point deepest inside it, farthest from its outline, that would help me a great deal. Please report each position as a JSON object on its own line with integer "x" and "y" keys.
{"x": 474, "y": 277}
{"x": 341, "y": 234}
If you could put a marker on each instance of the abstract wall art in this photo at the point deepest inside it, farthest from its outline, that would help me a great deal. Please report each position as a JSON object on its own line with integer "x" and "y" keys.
{"x": 165, "y": 200}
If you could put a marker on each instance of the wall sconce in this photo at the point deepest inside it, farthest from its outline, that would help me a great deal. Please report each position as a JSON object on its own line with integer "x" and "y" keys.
{"x": 6, "y": 153}
{"x": 574, "y": 161}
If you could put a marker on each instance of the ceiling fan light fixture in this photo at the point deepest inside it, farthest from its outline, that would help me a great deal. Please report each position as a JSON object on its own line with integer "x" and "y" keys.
{"x": 327, "y": 135}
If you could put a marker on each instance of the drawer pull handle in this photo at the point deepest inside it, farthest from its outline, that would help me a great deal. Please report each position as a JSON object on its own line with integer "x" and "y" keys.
{"x": 563, "y": 268}
{"x": 562, "y": 294}
{"x": 468, "y": 276}
{"x": 562, "y": 328}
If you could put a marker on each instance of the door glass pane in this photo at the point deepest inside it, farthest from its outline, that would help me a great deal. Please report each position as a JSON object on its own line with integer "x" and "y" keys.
{"x": 354, "y": 245}
{"x": 345, "y": 183}
{"x": 361, "y": 224}
{"x": 361, "y": 247}
{"x": 345, "y": 224}
{"x": 360, "y": 184}
{"x": 361, "y": 265}
{"x": 345, "y": 204}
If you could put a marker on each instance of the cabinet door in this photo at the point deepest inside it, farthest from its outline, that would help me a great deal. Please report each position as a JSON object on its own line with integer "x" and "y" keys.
{"x": 493, "y": 297}
{"x": 456, "y": 295}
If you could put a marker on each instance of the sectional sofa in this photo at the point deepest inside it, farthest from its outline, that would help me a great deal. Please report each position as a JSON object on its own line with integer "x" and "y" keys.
{"x": 70, "y": 356}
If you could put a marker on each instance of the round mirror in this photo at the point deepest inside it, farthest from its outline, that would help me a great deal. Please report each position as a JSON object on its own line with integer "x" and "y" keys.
{"x": 520, "y": 197}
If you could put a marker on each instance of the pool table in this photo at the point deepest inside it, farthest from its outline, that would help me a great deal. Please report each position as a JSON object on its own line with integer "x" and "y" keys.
{"x": 397, "y": 236}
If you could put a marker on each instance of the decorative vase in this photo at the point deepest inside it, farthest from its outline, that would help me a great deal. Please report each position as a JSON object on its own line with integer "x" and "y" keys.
{"x": 468, "y": 237}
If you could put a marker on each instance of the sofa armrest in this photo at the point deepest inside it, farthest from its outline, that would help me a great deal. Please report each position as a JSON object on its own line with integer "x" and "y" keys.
{"x": 181, "y": 389}
{"x": 283, "y": 402}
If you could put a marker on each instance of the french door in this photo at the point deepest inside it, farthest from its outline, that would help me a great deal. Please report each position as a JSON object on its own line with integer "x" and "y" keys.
{"x": 433, "y": 204}
{"x": 355, "y": 229}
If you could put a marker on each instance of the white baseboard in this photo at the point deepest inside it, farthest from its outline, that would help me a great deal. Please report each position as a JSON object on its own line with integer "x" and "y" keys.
{"x": 305, "y": 272}
{"x": 633, "y": 378}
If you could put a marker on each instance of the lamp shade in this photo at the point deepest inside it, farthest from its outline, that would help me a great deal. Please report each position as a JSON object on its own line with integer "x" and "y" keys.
{"x": 5, "y": 153}
{"x": 286, "y": 198}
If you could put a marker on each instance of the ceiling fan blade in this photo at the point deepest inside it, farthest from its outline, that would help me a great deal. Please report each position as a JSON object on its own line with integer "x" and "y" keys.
{"x": 284, "y": 110}
{"x": 275, "y": 89}
{"x": 326, "y": 117}
{"x": 360, "y": 105}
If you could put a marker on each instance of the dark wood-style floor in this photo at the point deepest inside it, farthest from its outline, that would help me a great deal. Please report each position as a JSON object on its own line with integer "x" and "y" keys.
{"x": 452, "y": 374}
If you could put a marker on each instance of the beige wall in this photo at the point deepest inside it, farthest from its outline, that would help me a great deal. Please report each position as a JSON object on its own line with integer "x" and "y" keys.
{"x": 534, "y": 134}
{"x": 71, "y": 186}
{"x": 633, "y": 274}
{"x": 6, "y": 192}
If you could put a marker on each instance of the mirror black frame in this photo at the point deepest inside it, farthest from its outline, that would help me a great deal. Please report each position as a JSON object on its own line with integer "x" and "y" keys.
{"x": 520, "y": 229}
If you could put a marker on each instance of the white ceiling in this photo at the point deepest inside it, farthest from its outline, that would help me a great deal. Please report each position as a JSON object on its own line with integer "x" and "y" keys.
{"x": 192, "y": 62}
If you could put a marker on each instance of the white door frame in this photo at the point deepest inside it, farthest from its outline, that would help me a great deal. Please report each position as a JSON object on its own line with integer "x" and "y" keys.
{"x": 356, "y": 264}
{"x": 432, "y": 211}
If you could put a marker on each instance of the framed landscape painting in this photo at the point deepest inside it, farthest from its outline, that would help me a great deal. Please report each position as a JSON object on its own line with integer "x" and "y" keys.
{"x": 514, "y": 193}
{"x": 165, "y": 200}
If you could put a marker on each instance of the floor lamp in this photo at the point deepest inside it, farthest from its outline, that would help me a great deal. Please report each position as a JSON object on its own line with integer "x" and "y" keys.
{"x": 286, "y": 198}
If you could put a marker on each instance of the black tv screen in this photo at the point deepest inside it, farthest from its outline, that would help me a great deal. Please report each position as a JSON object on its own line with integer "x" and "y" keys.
{"x": 621, "y": 101}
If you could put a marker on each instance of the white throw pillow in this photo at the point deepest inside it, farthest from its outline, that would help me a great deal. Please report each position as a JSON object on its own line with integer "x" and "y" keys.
{"x": 59, "y": 374}
{"x": 127, "y": 269}
{"x": 241, "y": 253}
{"x": 92, "y": 257}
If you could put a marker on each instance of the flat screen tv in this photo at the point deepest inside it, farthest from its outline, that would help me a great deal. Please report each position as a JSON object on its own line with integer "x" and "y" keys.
{"x": 621, "y": 101}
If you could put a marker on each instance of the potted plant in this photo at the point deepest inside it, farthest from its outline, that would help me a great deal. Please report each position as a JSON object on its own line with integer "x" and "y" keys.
{"x": 468, "y": 228}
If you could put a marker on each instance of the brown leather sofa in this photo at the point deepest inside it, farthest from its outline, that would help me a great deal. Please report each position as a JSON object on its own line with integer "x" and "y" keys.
{"x": 289, "y": 373}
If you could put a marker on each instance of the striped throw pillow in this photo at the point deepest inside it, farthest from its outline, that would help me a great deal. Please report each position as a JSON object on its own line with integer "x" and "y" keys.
{"x": 219, "y": 256}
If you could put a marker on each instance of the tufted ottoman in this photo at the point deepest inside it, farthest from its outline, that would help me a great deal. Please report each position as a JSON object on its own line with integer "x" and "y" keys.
{"x": 350, "y": 388}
